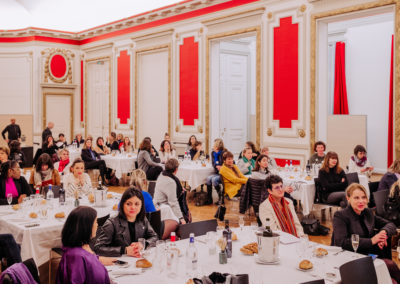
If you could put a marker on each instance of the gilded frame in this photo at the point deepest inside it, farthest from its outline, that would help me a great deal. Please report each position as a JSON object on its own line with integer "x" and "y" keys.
{"x": 396, "y": 87}
{"x": 257, "y": 31}
{"x": 136, "y": 98}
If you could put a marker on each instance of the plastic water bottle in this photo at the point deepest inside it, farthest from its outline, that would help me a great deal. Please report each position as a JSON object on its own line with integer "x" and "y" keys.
{"x": 291, "y": 166}
{"x": 50, "y": 194}
{"x": 286, "y": 166}
{"x": 185, "y": 158}
{"x": 191, "y": 257}
{"x": 61, "y": 197}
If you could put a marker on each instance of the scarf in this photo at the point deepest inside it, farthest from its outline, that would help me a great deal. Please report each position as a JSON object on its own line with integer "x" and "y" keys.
{"x": 62, "y": 165}
{"x": 43, "y": 176}
{"x": 284, "y": 216}
{"x": 359, "y": 163}
{"x": 181, "y": 194}
{"x": 252, "y": 164}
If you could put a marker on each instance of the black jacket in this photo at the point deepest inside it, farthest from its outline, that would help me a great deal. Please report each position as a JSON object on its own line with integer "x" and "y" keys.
{"x": 22, "y": 188}
{"x": 19, "y": 157}
{"x": 45, "y": 133}
{"x": 49, "y": 150}
{"x": 14, "y": 132}
{"x": 331, "y": 182}
{"x": 115, "y": 237}
{"x": 387, "y": 181}
{"x": 346, "y": 222}
{"x": 87, "y": 157}
{"x": 113, "y": 146}
{"x": 78, "y": 143}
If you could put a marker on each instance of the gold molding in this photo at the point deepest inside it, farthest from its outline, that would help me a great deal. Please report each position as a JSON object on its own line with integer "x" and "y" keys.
{"x": 257, "y": 30}
{"x": 269, "y": 15}
{"x": 213, "y": 20}
{"x": 136, "y": 98}
{"x": 269, "y": 131}
{"x": 71, "y": 96}
{"x": 66, "y": 54}
{"x": 109, "y": 90}
{"x": 301, "y": 133}
{"x": 303, "y": 8}
{"x": 396, "y": 88}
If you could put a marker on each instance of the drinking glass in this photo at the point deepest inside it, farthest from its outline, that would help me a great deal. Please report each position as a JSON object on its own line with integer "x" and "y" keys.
{"x": 241, "y": 222}
{"x": 211, "y": 242}
{"x": 172, "y": 263}
{"x": 304, "y": 242}
{"x": 355, "y": 240}
{"x": 254, "y": 226}
{"x": 9, "y": 199}
{"x": 220, "y": 229}
{"x": 43, "y": 212}
{"x": 142, "y": 241}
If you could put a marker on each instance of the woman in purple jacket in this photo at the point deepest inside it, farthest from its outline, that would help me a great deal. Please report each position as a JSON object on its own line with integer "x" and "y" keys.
{"x": 79, "y": 264}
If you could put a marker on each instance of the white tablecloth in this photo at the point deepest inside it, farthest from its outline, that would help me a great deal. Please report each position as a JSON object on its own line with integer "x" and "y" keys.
{"x": 122, "y": 164}
{"x": 305, "y": 190}
{"x": 194, "y": 173}
{"x": 285, "y": 272}
{"x": 74, "y": 154}
{"x": 36, "y": 242}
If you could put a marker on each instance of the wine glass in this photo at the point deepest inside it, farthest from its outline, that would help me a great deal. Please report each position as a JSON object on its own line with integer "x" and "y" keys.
{"x": 142, "y": 241}
{"x": 9, "y": 199}
{"x": 241, "y": 222}
{"x": 355, "y": 240}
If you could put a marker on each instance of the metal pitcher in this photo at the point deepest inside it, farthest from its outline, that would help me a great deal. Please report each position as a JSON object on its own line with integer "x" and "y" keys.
{"x": 100, "y": 197}
{"x": 268, "y": 247}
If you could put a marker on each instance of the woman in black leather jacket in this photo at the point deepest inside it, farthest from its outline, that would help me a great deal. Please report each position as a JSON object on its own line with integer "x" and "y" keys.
{"x": 119, "y": 235}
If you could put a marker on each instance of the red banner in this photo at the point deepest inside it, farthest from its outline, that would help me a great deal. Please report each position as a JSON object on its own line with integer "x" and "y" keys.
{"x": 124, "y": 86}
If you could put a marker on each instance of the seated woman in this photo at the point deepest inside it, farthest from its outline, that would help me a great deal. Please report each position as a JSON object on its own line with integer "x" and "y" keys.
{"x": 146, "y": 161}
{"x": 388, "y": 179}
{"x": 166, "y": 151}
{"x": 168, "y": 138}
{"x": 49, "y": 147}
{"x": 92, "y": 160}
{"x": 359, "y": 163}
{"x": 319, "y": 155}
{"x": 16, "y": 153}
{"x": 62, "y": 142}
{"x": 231, "y": 175}
{"x": 246, "y": 163}
{"x": 119, "y": 235}
{"x": 77, "y": 180}
{"x": 278, "y": 209}
{"x": 78, "y": 140}
{"x": 44, "y": 172}
{"x": 333, "y": 181}
{"x": 4, "y": 153}
{"x": 191, "y": 143}
{"x": 169, "y": 191}
{"x": 79, "y": 264}
{"x": 127, "y": 145}
{"x": 112, "y": 142}
{"x": 215, "y": 179}
{"x": 253, "y": 148}
{"x": 120, "y": 139}
{"x": 197, "y": 151}
{"x": 100, "y": 148}
{"x": 271, "y": 161}
{"x": 358, "y": 219}
{"x": 63, "y": 165}
{"x": 261, "y": 168}
{"x": 11, "y": 182}
{"x": 139, "y": 181}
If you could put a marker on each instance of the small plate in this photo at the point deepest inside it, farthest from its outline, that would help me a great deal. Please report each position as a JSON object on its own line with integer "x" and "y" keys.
{"x": 265, "y": 262}
{"x": 305, "y": 270}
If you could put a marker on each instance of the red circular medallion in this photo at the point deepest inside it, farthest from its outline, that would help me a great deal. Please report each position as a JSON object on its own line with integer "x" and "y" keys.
{"x": 58, "y": 66}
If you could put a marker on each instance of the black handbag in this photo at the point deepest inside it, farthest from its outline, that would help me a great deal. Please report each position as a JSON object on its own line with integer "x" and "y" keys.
{"x": 220, "y": 214}
{"x": 200, "y": 198}
{"x": 312, "y": 227}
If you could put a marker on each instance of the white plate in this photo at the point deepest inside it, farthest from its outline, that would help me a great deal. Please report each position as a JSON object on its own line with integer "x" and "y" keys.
{"x": 265, "y": 262}
{"x": 305, "y": 270}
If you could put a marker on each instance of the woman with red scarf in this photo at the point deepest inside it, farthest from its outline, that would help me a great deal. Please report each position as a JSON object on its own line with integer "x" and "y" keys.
{"x": 359, "y": 163}
{"x": 64, "y": 164}
{"x": 278, "y": 209}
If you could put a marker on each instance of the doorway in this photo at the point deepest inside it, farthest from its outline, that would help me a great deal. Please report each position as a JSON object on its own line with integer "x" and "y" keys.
{"x": 233, "y": 91}
{"x": 62, "y": 117}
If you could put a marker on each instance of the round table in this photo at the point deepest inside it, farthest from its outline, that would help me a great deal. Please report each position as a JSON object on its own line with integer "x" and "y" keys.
{"x": 121, "y": 163}
{"x": 194, "y": 173}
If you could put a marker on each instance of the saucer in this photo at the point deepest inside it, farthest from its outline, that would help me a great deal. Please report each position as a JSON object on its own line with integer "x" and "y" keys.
{"x": 266, "y": 262}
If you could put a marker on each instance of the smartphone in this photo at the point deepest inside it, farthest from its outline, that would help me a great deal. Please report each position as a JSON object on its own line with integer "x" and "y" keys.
{"x": 121, "y": 263}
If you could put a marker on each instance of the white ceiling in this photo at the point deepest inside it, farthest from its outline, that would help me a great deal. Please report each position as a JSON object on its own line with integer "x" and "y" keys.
{"x": 71, "y": 15}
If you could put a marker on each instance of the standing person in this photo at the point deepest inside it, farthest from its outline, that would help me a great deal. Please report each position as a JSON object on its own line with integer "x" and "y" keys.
{"x": 47, "y": 131}
{"x": 13, "y": 131}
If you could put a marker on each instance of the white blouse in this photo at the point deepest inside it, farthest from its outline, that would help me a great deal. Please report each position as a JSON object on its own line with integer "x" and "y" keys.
{"x": 71, "y": 184}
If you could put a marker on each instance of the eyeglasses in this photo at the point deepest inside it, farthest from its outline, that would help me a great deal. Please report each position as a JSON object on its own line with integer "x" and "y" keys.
{"x": 278, "y": 187}
{"x": 16, "y": 169}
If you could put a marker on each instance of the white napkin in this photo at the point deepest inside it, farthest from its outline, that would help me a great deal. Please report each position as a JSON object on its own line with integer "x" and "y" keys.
{"x": 286, "y": 238}
{"x": 126, "y": 271}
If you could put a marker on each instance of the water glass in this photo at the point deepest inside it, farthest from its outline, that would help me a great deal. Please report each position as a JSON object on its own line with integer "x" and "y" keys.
{"x": 254, "y": 226}
{"x": 355, "y": 240}
{"x": 211, "y": 242}
{"x": 43, "y": 212}
{"x": 142, "y": 242}
{"x": 9, "y": 199}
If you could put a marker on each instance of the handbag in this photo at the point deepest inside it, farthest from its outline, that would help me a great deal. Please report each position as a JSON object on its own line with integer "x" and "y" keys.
{"x": 200, "y": 198}
{"x": 312, "y": 227}
{"x": 220, "y": 214}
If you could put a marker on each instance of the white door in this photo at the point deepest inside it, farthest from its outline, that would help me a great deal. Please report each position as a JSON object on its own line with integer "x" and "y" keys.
{"x": 153, "y": 96}
{"x": 58, "y": 110}
{"x": 98, "y": 110}
{"x": 233, "y": 101}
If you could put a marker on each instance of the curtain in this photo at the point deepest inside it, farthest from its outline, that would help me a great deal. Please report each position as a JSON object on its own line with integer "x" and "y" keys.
{"x": 340, "y": 105}
{"x": 390, "y": 124}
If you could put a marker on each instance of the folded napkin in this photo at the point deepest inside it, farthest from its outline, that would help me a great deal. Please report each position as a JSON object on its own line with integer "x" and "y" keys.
{"x": 127, "y": 271}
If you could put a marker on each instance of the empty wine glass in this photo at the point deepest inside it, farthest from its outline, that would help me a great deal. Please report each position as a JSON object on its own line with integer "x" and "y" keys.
{"x": 142, "y": 241}
{"x": 241, "y": 222}
{"x": 9, "y": 199}
{"x": 355, "y": 240}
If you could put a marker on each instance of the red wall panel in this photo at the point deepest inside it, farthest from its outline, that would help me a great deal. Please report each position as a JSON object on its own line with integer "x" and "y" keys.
{"x": 82, "y": 86}
{"x": 286, "y": 62}
{"x": 282, "y": 162}
{"x": 58, "y": 66}
{"x": 189, "y": 81}
{"x": 124, "y": 86}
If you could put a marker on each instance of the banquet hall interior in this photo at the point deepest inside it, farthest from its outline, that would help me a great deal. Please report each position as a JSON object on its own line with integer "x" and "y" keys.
{"x": 276, "y": 78}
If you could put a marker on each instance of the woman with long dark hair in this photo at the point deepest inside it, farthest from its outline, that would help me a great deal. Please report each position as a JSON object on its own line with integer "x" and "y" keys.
{"x": 146, "y": 161}
{"x": 11, "y": 182}
{"x": 44, "y": 172}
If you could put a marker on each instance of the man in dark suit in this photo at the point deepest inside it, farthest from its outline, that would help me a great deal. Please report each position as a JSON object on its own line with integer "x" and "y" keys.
{"x": 13, "y": 130}
{"x": 47, "y": 131}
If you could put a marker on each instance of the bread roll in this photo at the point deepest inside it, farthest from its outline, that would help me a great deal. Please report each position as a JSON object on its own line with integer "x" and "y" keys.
{"x": 59, "y": 215}
{"x": 33, "y": 215}
{"x": 109, "y": 196}
{"x": 305, "y": 264}
{"x": 320, "y": 252}
{"x": 16, "y": 207}
{"x": 143, "y": 263}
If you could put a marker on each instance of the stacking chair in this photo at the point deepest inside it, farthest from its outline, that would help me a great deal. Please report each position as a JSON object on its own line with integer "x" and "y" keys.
{"x": 373, "y": 187}
{"x": 151, "y": 187}
{"x": 359, "y": 271}
{"x": 155, "y": 221}
{"x": 198, "y": 228}
{"x": 318, "y": 203}
{"x": 352, "y": 178}
{"x": 380, "y": 198}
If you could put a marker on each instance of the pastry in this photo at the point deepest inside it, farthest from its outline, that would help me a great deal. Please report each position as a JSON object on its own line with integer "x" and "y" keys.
{"x": 320, "y": 252}
{"x": 291, "y": 177}
{"x": 91, "y": 197}
{"x": 59, "y": 215}
{"x": 143, "y": 263}
{"x": 109, "y": 196}
{"x": 234, "y": 237}
{"x": 308, "y": 178}
{"x": 252, "y": 247}
{"x": 16, "y": 207}
{"x": 43, "y": 202}
{"x": 115, "y": 207}
{"x": 305, "y": 264}
{"x": 246, "y": 251}
{"x": 190, "y": 281}
{"x": 33, "y": 215}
